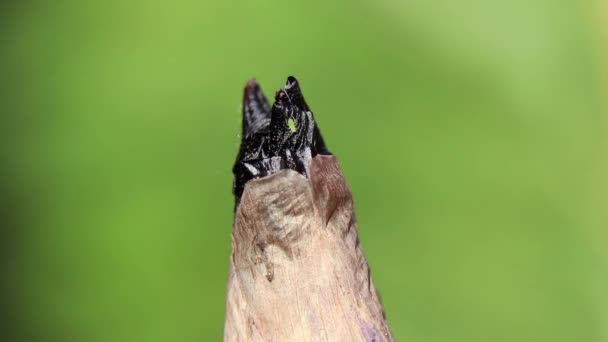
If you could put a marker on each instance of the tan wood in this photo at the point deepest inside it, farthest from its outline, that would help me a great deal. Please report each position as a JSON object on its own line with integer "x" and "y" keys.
{"x": 297, "y": 270}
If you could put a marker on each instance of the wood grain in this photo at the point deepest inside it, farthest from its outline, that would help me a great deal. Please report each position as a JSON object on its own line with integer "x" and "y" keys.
{"x": 298, "y": 272}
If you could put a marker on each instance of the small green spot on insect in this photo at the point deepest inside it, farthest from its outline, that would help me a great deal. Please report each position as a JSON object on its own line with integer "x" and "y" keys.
{"x": 292, "y": 125}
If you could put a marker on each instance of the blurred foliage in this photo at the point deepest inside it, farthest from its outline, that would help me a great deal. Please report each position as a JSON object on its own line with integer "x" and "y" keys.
{"x": 472, "y": 133}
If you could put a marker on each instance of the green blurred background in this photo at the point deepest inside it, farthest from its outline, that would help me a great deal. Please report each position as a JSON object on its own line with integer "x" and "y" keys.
{"x": 473, "y": 134}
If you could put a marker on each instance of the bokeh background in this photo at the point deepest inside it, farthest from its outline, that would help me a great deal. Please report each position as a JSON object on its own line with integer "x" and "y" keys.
{"x": 473, "y": 134}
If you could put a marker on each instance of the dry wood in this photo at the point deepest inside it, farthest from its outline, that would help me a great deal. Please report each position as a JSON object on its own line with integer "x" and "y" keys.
{"x": 297, "y": 270}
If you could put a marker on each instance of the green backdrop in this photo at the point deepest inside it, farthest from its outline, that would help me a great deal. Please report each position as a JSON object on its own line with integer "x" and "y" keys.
{"x": 472, "y": 133}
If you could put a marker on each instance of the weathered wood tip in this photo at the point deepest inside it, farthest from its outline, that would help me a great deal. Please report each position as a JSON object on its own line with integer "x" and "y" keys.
{"x": 297, "y": 270}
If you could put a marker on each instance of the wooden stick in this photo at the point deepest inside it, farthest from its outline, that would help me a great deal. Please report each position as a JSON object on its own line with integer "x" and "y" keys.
{"x": 297, "y": 270}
